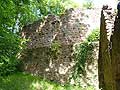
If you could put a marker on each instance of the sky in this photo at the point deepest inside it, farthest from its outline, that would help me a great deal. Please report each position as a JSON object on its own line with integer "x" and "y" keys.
{"x": 100, "y": 3}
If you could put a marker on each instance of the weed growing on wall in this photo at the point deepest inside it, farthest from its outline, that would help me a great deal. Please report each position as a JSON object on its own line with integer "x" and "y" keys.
{"x": 55, "y": 49}
{"x": 84, "y": 52}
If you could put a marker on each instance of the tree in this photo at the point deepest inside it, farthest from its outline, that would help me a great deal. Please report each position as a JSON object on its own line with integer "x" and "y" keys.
{"x": 14, "y": 15}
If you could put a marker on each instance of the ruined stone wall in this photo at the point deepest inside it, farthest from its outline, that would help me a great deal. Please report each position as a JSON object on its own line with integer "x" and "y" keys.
{"x": 109, "y": 52}
{"x": 115, "y": 53}
{"x": 49, "y": 50}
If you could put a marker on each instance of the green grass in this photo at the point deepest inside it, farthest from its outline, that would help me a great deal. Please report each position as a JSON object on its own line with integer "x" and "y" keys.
{"x": 21, "y": 81}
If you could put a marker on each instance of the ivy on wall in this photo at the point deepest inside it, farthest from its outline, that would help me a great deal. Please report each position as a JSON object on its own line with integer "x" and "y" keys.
{"x": 84, "y": 52}
{"x": 55, "y": 49}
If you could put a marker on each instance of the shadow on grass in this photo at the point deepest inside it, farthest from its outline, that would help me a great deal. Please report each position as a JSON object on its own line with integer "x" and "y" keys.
{"x": 21, "y": 81}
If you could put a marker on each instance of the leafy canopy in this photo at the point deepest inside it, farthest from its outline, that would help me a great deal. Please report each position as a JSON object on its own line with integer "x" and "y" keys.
{"x": 14, "y": 14}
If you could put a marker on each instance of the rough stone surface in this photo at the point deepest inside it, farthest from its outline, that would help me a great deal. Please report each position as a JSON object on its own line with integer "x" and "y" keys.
{"x": 115, "y": 53}
{"x": 49, "y": 51}
{"x": 109, "y": 52}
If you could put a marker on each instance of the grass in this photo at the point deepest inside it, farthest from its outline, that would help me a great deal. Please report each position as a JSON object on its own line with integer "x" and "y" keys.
{"x": 21, "y": 81}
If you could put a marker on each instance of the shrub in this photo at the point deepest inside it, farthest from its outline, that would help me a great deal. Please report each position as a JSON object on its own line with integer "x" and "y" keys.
{"x": 9, "y": 49}
{"x": 94, "y": 36}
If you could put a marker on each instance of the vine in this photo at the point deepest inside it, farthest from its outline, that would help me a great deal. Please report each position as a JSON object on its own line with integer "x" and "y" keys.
{"x": 84, "y": 52}
{"x": 55, "y": 49}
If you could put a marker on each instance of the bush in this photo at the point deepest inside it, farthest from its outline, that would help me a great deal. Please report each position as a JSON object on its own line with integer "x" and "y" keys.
{"x": 94, "y": 36}
{"x": 9, "y": 49}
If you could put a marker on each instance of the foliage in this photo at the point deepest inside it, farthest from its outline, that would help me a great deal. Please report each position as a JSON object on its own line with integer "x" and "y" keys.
{"x": 84, "y": 51}
{"x": 22, "y": 81}
{"x": 55, "y": 49}
{"x": 14, "y": 15}
{"x": 17, "y": 13}
{"x": 10, "y": 46}
{"x": 11, "y": 18}
{"x": 88, "y": 4}
{"x": 56, "y": 7}
{"x": 94, "y": 36}
{"x": 51, "y": 7}
{"x": 70, "y": 4}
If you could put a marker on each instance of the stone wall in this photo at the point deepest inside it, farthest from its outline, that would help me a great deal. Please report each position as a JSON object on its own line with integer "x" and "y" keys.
{"x": 115, "y": 53}
{"x": 49, "y": 51}
{"x": 109, "y": 52}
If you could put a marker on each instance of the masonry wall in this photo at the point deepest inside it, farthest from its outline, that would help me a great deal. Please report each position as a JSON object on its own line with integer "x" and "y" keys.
{"x": 109, "y": 50}
{"x": 115, "y": 53}
{"x": 49, "y": 51}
